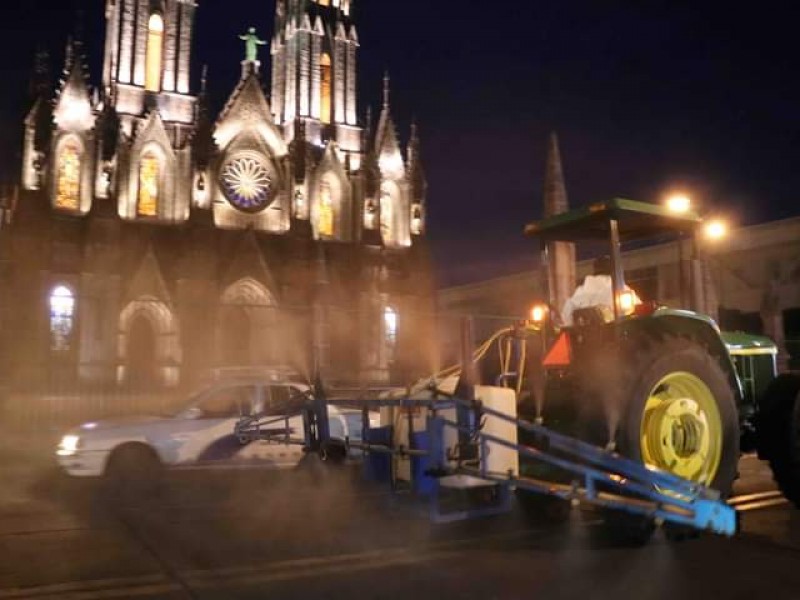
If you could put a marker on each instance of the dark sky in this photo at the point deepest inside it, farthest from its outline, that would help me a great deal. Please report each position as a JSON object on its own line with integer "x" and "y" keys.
{"x": 646, "y": 97}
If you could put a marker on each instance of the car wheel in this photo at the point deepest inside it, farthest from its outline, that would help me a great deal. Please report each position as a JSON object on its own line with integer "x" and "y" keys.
{"x": 134, "y": 472}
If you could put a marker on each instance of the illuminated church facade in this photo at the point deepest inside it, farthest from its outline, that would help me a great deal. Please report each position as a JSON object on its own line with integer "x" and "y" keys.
{"x": 153, "y": 242}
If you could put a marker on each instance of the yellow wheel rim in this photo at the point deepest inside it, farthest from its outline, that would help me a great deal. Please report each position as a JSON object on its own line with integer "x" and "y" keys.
{"x": 681, "y": 429}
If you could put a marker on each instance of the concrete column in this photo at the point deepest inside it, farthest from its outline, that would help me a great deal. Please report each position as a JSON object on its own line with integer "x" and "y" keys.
{"x": 185, "y": 48}
{"x": 339, "y": 81}
{"x": 290, "y": 102}
{"x": 352, "y": 106}
{"x": 170, "y": 47}
{"x": 140, "y": 51}
{"x": 126, "y": 43}
{"x": 316, "y": 53}
{"x": 304, "y": 48}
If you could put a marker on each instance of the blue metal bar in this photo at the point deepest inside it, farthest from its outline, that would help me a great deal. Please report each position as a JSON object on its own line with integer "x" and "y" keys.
{"x": 603, "y": 458}
{"x": 637, "y": 488}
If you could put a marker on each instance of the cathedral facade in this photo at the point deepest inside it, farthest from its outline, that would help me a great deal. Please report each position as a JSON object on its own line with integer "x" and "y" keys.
{"x": 153, "y": 241}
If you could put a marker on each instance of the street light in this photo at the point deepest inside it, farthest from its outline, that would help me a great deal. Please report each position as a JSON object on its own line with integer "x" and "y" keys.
{"x": 715, "y": 230}
{"x": 679, "y": 204}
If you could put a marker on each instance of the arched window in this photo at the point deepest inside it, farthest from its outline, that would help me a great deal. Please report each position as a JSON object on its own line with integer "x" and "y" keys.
{"x": 387, "y": 217}
{"x": 62, "y": 318}
{"x": 390, "y": 324}
{"x": 325, "y": 88}
{"x": 325, "y": 219}
{"x": 155, "y": 49}
{"x": 68, "y": 176}
{"x": 149, "y": 175}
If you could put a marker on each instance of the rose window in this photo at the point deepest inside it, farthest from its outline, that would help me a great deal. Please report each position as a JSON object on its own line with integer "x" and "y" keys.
{"x": 247, "y": 183}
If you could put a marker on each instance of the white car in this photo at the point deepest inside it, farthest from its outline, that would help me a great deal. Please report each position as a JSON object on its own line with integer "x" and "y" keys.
{"x": 202, "y": 434}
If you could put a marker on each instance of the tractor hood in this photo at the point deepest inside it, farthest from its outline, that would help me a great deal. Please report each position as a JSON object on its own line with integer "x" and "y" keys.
{"x": 743, "y": 344}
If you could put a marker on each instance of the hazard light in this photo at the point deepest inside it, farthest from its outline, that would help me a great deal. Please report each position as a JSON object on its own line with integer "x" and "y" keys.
{"x": 626, "y": 300}
{"x": 538, "y": 314}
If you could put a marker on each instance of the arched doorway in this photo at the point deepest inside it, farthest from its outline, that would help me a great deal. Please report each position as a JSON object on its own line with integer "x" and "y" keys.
{"x": 142, "y": 363}
{"x": 248, "y": 325}
{"x": 235, "y": 345}
{"x": 148, "y": 347}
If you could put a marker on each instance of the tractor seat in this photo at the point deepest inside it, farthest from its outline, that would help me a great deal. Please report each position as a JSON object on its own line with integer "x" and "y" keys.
{"x": 592, "y": 316}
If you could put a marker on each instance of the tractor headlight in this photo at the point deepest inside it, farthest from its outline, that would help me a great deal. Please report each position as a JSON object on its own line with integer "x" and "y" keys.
{"x": 69, "y": 445}
{"x": 538, "y": 314}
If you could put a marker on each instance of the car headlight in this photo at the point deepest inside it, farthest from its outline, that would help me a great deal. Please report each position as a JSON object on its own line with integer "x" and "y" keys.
{"x": 69, "y": 445}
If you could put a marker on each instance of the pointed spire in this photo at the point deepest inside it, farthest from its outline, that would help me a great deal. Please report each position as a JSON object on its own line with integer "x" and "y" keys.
{"x": 415, "y": 170}
{"x": 561, "y": 268}
{"x": 555, "y": 190}
{"x": 74, "y": 108}
{"x": 386, "y": 89}
{"x": 413, "y": 142}
{"x": 204, "y": 81}
{"x": 40, "y": 80}
{"x": 367, "y": 133}
{"x": 69, "y": 54}
{"x": 387, "y": 148}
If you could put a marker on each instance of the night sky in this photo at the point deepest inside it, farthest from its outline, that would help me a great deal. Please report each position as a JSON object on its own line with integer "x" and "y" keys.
{"x": 646, "y": 97}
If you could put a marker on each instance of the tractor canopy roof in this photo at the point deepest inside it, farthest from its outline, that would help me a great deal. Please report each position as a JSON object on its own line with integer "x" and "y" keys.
{"x": 637, "y": 221}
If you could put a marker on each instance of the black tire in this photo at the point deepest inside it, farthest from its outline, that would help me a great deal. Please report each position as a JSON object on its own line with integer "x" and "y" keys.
{"x": 647, "y": 362}
{"x": 133, "y": 472}
{"x": 658, "y": 359}
{"x": 779, "y": 433}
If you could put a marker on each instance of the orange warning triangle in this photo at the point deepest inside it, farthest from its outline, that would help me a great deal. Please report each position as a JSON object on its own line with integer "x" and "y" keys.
{"x": 560, "y": 355}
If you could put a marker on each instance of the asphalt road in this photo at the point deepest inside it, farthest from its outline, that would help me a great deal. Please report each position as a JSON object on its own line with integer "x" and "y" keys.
{"x": 326, "y": 535}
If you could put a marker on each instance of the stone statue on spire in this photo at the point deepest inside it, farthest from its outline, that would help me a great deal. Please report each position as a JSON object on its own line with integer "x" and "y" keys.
{"x": 252, "y": 42}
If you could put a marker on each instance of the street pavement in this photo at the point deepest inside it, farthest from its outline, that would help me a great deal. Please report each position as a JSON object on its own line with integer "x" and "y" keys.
{"x": 322, "y": 533}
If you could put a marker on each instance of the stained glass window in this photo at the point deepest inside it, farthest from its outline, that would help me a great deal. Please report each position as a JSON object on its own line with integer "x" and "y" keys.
{"x": 62, "y": 318}
{"x": 155, "y": 48}
{"x": 390, "y": 323}
{"x": 149, "y": 172}
{"x": 68, "y": 181}
{"x": 387, "y": 217}
{"x": 247, "y": 183}
{"x": 325, "y": 222}
{"x": 326, "y": 83}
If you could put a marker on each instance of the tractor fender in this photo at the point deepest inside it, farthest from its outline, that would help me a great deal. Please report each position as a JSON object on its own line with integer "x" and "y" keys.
{"x": 689, "y": 325}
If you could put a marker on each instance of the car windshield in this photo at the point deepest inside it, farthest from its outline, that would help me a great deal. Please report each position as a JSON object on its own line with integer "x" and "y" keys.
{"x": 223, "y": 401}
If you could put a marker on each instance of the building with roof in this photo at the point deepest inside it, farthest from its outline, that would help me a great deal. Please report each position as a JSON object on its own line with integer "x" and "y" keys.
{"x": 153, "y": 241}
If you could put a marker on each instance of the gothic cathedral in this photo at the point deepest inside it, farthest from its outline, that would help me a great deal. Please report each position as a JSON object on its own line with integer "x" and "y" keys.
{"x": 153, "y": 242}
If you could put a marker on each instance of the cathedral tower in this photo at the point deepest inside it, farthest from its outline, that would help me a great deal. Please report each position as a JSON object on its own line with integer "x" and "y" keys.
{"x": 147, "y": 57}
{"x": 314, "y": 81}
{"x": 146, "y": 89}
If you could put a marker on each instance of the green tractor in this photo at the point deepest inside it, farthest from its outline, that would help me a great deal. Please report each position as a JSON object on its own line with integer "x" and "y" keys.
{"x": 657, "y": 384}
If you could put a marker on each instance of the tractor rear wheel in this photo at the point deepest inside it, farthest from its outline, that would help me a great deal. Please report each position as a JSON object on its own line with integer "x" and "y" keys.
{"x": 677, "y": 412}
{"x": 779, "y": 433}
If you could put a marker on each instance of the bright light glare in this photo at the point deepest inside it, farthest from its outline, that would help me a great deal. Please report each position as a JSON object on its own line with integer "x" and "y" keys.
{"x": 62, "y": 302}
{"x": 679, "y": 204}
{"x": 538, "y": 313}
{"x": 627, "y": 302}
{"x": 69, "y": 445}
{"x": 716, "y": 230}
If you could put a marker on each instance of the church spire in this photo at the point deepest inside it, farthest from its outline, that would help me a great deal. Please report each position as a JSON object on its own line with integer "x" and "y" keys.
{"x": 387, "y": 148}
{"x": 387, "y": 83}
{"x": 419, "y": 184}
{"x": 555, "y": 191}
{"x": 561, "y": 266}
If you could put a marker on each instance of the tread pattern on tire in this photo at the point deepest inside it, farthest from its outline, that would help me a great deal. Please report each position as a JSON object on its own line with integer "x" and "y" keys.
{"x": 779, "y": 433}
